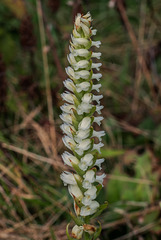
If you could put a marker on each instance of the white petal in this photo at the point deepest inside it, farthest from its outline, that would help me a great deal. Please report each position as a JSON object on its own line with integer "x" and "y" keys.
{"x": 87, "y": 16}
{"x": 100, "y": 178}
{"x": 68, "y": 97}
{"x": 86, "y": 184}
{"x": 67, "y": 129}
{"x": 69, "y": 178}
{"x": 89, "y": 210}
{"x": 85, "y": 21}
{"x": 99, "y": 108}
{"x": 69, "y": 84}
{"x": 81, "y": 64}
{"x": 96, "y": 55}
{"x": 97, "y": 98}
{"x": 96, "y": 43}
{"x": 91, "y": 192}
{"x": 86, "y": 161}
{"x": 67, "y": 118}
{"x": 96, "y": 65}
{"x": 96, "y": 76}
{"x": 77, "y": 20}
{"x": 84, "y": 86}
{"x": 85, "y": 123}
{"x": 87, "y": 98}
{"x": 96, "y": 87}
{"x": 71, "y": 59}
{"x": 99, "y": 162}
{"x": 80, "y": 41}
{"x": 84, "y": 108}
{"x": 86, "y": 30}
{"x": 70, "y": 72}
{"x": 84, "y": 74}
{"x": 94, "y": 205}
{"x": 89, "y": 176}
{"x": 80, "y": 52}
{"x": 86, "y": 201}
{"x": 90, "y": 195}
{"x": 98, "y": 146}
{"x": 83, "y": 166}
{"x": 98, "y": 134}
{"x": 67, "y": 108}
{"x": 81, "y": 134}
{"x": 77, "y": 232}
{"x": 98, "y": 120}
{"x": 68, "y": 159}
{"x": 75, "y": 33}
{"x": 74, "y": 190}
{"x": 84, "y": 144}
{"x": 94, "y": 31}
{"x": 69, "y": 142}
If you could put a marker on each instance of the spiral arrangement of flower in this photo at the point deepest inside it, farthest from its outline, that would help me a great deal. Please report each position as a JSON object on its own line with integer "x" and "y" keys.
{"x": 81, "y": 109}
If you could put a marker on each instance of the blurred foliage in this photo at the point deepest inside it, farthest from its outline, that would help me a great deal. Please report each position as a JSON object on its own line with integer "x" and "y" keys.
{"x": 34, "y": 203}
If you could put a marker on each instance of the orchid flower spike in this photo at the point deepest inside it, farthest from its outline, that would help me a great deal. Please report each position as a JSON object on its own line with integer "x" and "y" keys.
{"x": 80, "y": 104}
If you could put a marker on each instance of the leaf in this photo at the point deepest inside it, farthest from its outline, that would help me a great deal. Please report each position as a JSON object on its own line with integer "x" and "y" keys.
{"x": 111, "y": 153}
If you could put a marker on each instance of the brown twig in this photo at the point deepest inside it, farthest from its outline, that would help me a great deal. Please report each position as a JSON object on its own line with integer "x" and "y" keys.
{"x": 131, "y": 215}
{"x": 33, "y": 155}
{"x": 133, "y": 180}
{"x": 126, "y": 126}
{"x": 137, "y": 231}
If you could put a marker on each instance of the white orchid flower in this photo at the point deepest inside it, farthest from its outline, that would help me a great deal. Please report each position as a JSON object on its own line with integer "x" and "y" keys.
{"x": 81, "y": 109}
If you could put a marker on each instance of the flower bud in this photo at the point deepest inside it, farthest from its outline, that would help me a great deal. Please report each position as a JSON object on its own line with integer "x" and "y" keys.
{"x": 89, "y": 228}
{"x": 77, "y": 232}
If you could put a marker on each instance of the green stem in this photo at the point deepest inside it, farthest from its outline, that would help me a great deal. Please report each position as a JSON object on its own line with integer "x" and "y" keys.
{"x": 86, "y": 236}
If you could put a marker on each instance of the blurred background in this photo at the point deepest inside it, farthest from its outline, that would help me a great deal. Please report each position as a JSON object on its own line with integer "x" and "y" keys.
{"x": 34, "y": 40}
